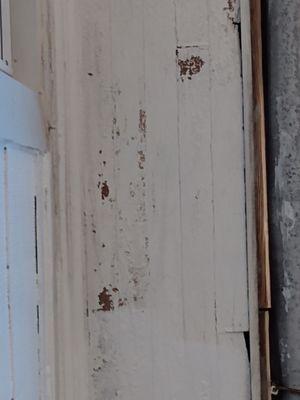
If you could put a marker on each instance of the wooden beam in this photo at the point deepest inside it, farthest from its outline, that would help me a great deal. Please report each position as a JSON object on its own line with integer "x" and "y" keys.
{"x": 265, "y": 364}
{"x": 264, "y": 281}
{"x": 260, "y": 158}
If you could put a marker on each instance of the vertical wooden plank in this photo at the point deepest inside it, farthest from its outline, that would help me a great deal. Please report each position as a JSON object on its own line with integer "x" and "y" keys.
{"x": 228, "y": 167}
{"x": 196, "y": 191}
{"x": 201, "y": 114}
{"x": 46, "y": 292}
{"x": 138, "y": 135}
{"x": 265, "y": 365}
{"x": 6, "y": 370}
{"x": 168, "y": 335}
{"x": 118, "y": 258}
{"x": 23, "y": 272}
{"x": 250, "y": 200}
{"x": 233, "y": 366}
{"x": 192, "y": 21}
{"x": 260, "y": 161}
{"x": 264, "y": 279}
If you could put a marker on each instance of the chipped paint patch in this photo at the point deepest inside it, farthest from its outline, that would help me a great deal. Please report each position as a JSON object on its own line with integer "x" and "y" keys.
{"x": 232, "y": 9}
{"x": 105, "y": 300}
{"x": 230, "y": 6}
{"x": 109, "y": 299}
{"x": 142, "y": 159}
{"x": 189, "y": 66}
{"x": 142, "y": 142}
{"x": 104, "y": 190}
{"x": 143, "y": 121}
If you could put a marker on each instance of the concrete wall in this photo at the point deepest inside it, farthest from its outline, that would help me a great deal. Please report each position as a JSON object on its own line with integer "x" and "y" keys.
{"x": 284, "y": 181}
{"x": 144, "y": 109}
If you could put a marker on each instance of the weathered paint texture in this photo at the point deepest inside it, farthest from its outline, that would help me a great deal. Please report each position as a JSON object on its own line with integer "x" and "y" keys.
{"x": 284, "y": 183}
{"x": 155, "y": 189}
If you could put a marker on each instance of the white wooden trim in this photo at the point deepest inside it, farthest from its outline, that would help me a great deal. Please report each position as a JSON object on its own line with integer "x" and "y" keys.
{"x": 45, "y": 249}
{"x": 5, "y": 68}
{"x": 250, "y": 200}
{"x": 67, "y": 370}
{"x": 20, "y": 115}
{"x": 6, "y": 64}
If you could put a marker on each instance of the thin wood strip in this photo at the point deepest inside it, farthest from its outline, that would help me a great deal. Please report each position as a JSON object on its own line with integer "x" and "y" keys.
{"x": 264, "y": 281}
{"x": 265, "y": 364}
{"x": 260, "y": 155}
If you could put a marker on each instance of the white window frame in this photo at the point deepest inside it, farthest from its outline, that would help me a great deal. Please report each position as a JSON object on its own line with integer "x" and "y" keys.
{"x": 5, "y": 37}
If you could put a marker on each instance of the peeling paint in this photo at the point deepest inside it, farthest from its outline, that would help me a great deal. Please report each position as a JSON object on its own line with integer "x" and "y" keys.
{"x": 190, "y": 66}
{"x": 143, "y": 121}
{"x": 230, "y": 6}
{"x": 104, "y": 190}
{"x": 232, "y": 9}
{"x": 109, "y": 299}
{"x": 105, "y": 300}
{"x": 142, "y": 159}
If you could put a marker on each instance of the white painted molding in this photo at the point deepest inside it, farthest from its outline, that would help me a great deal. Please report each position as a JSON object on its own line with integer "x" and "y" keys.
{"x": 250, "y": 200}
{"x": 68, "y": 378}
{"x": 20, "y": 115}
{"x": 6, "y": 62}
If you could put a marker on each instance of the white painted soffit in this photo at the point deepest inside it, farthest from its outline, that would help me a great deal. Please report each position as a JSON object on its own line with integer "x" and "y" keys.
{"x": 20, "y": 115}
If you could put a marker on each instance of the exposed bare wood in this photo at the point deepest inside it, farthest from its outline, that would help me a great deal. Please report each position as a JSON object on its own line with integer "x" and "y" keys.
{"x": 261, "y": 176}
{"x": 264, "y": 285}
{"x": 265, "y": 355}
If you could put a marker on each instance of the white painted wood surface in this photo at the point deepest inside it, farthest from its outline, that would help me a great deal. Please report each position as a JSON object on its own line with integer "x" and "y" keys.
{"x": 22, "y": 144}
{"x": 5, "y": 57}
{"x": 152, "y": 281}
{"x": 26, "y": 41}
{"x": 5, "y": 343}
{"x": 20, "y": 308}
{"x": 250, "y": 201}
{"x": 23, "y": 274}
{"x": 20, "y": 115}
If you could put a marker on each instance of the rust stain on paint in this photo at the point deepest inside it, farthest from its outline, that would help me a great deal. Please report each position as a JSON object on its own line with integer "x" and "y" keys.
{"x": 104, "y": 190}
{"x": 143, "y": 121}
{"x": 142, "y": 142}
{"x": 142, "y": 159}
{"x": 109, "y": 299}
{"x": 190, "y": 66}
{"x": 105, "y": 300}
